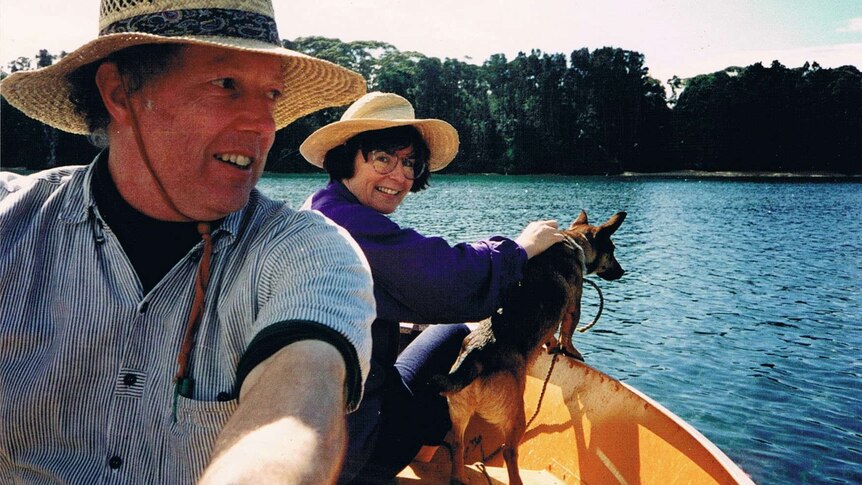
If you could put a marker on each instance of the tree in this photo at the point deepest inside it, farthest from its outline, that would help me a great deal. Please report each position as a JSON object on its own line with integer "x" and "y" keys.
{"x": 360, "y": 56}
{"x": 771, "y": 119}
{"x": 593, "y": 112}
{"x": 19, "y": 64}
{"x": 44, "y": 59}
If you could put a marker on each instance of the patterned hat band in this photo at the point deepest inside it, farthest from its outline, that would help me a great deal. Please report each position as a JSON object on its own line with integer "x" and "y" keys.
{"x": 247, "y": 26}
{"x": 218, "y": 22}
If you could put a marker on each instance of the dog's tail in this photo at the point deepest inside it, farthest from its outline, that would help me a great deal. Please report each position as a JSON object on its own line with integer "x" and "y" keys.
{"x": 465, "y": 371}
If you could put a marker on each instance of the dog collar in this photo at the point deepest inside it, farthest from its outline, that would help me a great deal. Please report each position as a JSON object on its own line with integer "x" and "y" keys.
{"x": 581, "y": 256}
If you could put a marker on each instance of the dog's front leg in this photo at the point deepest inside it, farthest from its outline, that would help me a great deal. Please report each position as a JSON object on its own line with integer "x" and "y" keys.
{"x": 460, "y": 416}
{"x": 514, "y": 432}
{"x": 570, "y": 321}
{"x": 552, "y": 344}
{"x": 510, "y": 456}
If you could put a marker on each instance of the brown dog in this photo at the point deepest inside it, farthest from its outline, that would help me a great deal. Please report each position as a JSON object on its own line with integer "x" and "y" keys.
{"x": 490, "y": 374}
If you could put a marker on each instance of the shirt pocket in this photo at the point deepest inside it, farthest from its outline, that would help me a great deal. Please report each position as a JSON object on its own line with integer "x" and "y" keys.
{"x": 192, "y": 436}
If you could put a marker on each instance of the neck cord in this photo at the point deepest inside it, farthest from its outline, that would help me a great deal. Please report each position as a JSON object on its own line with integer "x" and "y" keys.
{"x": 184, "y": 383}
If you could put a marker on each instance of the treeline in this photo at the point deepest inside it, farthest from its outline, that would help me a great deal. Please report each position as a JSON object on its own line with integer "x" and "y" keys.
{"x": 763, "y": 119}
{"x": 591, "y": 112}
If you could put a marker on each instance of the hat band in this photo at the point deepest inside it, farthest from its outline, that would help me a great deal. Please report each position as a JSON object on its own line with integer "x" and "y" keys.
{"x": 216, "y": 22}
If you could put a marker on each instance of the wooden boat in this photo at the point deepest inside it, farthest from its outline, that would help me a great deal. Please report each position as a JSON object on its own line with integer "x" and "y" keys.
{"x": 589, "y": 429}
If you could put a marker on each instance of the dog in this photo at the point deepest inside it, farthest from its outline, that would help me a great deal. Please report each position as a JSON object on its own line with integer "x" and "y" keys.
{"x": 490, "y": 373}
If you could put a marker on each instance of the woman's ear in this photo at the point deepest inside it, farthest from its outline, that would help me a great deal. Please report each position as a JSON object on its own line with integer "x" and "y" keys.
{"x": 113, "y": 92}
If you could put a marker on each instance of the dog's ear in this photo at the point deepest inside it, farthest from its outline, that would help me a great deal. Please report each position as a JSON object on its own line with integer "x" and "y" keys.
{"x": 612, "y": 225}
{"x": 582, "y": 219}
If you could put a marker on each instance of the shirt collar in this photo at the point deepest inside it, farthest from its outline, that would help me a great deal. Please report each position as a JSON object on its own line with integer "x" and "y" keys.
{"x": 341, "y": 190}
{"x": 233, "y": 223}
{"x": 79, "y": 203}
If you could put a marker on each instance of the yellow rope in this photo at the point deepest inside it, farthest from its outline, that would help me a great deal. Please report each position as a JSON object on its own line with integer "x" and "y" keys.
{"x": 601, "y": 306}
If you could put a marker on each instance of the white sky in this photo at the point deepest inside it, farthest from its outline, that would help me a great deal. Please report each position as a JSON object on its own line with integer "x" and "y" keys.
{"x": 682, "y": 37}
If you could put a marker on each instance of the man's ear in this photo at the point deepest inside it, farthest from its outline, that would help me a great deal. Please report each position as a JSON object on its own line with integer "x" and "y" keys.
{"x": 113, "y": 92}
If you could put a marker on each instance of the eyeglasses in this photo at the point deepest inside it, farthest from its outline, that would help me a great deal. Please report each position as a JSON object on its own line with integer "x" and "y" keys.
{"x": 384, "y": 163}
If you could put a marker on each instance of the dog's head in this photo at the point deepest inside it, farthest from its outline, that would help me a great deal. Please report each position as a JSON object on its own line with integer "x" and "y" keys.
{"x": 597, "y": 245}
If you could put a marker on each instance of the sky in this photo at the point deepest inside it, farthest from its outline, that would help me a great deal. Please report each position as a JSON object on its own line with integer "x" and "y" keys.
{"x": 677, "y": 37}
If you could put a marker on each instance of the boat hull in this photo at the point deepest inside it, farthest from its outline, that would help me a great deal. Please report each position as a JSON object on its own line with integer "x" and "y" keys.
{"x": 591, "y": 429}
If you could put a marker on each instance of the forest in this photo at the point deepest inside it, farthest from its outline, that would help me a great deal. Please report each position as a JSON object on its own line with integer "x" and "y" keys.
{"x": 588, "y": 112}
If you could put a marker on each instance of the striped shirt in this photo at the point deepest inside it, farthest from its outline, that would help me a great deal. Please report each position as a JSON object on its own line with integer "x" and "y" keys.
{"x": 87, "y": 360}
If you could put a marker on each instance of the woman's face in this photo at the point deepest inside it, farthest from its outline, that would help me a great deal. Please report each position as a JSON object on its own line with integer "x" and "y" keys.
{"x": 382, "y": 193}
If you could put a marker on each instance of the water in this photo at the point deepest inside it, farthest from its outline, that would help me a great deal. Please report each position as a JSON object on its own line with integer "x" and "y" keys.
{"x": 740, "y": 309}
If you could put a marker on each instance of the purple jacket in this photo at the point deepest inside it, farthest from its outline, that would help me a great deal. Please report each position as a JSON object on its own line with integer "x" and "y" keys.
{"x": 423, "y": 279}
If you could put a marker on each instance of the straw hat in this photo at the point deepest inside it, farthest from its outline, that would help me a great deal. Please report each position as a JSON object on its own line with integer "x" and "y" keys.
{"x": 376, "y": 111}
{"x": 247, "y": 25}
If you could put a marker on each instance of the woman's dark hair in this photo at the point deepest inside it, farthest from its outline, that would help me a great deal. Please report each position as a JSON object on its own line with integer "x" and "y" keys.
{"x": 339, "y": 160}
{"x": 137, "y": 64}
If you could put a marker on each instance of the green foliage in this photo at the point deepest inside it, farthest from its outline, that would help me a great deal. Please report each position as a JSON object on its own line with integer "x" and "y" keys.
{"x": 591, "y": 112}
{"x": 44, "y": 59}
{"x": 772, "y": 119}
{"x": 19, "y": 64}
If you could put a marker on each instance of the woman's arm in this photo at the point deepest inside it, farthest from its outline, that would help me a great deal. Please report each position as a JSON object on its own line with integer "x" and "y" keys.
{"x": 425, "y": 279}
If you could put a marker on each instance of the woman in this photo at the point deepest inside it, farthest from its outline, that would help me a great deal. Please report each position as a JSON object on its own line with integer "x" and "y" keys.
{"x": 375, "y": 155}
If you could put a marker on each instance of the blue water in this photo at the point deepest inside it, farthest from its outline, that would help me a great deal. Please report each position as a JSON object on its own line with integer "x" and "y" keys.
{"x": 741, "y": 308}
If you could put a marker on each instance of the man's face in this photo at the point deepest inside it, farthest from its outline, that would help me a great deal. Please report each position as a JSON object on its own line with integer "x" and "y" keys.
{"x": 207, "y": 125}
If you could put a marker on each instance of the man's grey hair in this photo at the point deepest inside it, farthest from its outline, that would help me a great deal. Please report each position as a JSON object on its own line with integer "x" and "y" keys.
{"x": 137, "y": 64}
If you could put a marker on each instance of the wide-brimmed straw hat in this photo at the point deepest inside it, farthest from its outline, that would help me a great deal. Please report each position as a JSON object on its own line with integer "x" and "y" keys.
{"x": 246, "y": 25}
{"x": 376, "y": 111}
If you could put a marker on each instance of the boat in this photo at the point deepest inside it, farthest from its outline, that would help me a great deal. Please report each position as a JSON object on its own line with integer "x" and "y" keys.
{"x": 589, "y": 428}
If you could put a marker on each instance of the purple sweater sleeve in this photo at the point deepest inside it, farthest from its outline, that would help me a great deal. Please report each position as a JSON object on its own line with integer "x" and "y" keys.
{"x": 424, "y": 279}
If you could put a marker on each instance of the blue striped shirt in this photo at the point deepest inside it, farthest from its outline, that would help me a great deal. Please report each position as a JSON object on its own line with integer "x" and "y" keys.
{"x": 87, "y": 360}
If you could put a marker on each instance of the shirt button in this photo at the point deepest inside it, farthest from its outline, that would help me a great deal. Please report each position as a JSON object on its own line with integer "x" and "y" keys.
{"x": 130, "y": 379}
{"x": 115, "y": 462}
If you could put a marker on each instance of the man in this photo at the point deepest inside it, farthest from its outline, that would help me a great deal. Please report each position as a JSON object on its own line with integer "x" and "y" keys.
{"x": 161, "y": 321}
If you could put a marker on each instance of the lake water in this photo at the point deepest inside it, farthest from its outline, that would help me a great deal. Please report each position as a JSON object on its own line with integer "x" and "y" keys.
{"x": 741, "y": 308}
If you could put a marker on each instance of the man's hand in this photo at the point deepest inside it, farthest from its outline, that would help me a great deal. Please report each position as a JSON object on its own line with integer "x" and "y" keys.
{"x": 539, "y": 236}
{"x": 289, "y": 426}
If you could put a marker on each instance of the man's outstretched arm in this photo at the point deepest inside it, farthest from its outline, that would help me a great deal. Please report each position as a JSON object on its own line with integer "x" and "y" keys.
{"x": 289, "y": 427}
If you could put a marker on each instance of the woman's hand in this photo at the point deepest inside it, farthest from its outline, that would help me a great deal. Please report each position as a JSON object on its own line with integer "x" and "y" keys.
{"x": 539, "y": 236}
